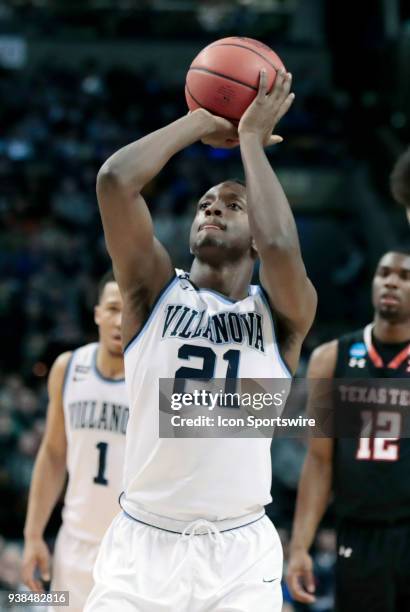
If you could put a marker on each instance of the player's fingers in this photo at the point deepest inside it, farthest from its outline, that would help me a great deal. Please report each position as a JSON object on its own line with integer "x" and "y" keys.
{"x": 278, "y": 84}
{"x": 44, "y": 567}
{"x": 274, "y": 139}
{"x": 282, "y": 86}
{"x": 297, "y": 591}
{"x": 309, "y": 581}
{"x": 28, "y": 576}
{"x": 263, "y": 85}
{"x": 284, "y": 107}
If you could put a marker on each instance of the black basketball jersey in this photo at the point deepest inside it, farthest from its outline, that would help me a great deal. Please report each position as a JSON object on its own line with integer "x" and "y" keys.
{"x": 372, "y": 474}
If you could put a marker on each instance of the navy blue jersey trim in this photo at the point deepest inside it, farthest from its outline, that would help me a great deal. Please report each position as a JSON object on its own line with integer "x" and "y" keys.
{"x": 272, "y": 313}
{"x": 197, "y": 534}
{"x": 99, "y": 374}
{"x": 164, "y": 289}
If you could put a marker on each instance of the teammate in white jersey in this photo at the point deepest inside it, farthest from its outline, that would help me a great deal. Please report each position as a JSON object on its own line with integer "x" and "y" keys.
{"x": 85, "y": 436}
{"x": 193, "y": 535}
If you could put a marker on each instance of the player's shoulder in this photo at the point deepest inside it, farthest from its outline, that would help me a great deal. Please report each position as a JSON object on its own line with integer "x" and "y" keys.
{"x": 63, "y": 361}
{"x": 58, "y": 372}
{"x": 353, "y": 336}
{"x": 323, "y": 351}
{"x": 85, "y": 351}
{"x": 323, "y": 360}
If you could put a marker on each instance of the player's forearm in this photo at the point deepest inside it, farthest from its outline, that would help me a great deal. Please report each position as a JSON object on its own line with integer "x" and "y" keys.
{"x": 312, "y": 500}
{"x": 47, "y": 482}
{"x": 138, "y": 163}
{"x": 270, "y": 216}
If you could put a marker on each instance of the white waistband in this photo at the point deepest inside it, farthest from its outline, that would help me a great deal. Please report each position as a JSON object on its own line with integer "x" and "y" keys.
{"x": 187, "y": 527}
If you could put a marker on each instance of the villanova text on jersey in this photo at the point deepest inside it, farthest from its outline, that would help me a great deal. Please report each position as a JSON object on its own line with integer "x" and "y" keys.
{"x": 181, "y": 321}
{"x": 195, "y": 333}
{"x": 94, "y": 414}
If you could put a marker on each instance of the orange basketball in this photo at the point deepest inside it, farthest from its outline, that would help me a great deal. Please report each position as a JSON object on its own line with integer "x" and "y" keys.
{"x": 224, "y": 77}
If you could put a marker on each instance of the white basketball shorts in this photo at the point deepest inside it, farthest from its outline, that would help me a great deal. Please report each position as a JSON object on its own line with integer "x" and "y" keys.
{"x": 72, "y": 569}
{"x": 141, "y": 568}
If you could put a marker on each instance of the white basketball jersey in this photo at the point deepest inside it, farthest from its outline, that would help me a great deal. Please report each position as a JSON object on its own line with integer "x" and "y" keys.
{"x": 95, "y": 415}
{"x": 187, "y": 479}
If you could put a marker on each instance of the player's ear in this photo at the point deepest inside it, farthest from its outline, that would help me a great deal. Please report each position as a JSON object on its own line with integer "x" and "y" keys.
{"x": 97, "y": 314}
{"x": 254, "y": 249}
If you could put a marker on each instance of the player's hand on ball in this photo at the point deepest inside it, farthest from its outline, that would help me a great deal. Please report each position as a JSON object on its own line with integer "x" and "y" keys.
{"x": 35, "y": 555}
{"x": 261, "y": 117}
{"x": 221, "y": 133}
{"x": 300, "y": 577}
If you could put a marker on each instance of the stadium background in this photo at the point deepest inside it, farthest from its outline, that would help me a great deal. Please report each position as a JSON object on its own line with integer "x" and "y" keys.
{"x": 79, "y": 80}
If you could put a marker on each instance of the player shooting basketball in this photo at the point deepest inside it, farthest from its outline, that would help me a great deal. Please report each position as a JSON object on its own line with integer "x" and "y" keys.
{"x": 85, "y": 436}
{"x": 193, "y": 534}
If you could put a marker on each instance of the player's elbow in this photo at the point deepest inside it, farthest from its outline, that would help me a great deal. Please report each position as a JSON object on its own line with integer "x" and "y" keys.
{"x": 54, "y": 454}
{"x": 117, "y": 179}
{"x": 108, "y": 177}
{"x": 320, "y": 455}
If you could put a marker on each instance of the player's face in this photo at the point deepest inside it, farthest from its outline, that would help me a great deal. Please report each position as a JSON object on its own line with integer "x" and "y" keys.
{"x": 221, "y": 223}
{"x": 391, "y": 287}
{"x": 107, "y": 315}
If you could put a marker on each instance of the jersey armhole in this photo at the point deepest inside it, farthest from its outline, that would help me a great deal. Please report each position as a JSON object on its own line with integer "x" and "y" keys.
{"x": 67, "y": 373}
{"x": 282, "y": 360}
{"x": 166, "y": 288}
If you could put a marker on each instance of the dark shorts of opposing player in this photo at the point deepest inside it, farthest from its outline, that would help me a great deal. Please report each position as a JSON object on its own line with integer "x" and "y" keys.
{"x": 373, "y": 567}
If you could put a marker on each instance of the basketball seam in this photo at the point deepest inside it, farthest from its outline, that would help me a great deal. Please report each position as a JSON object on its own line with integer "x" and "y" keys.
{"x": 208, "y": 109}
{"x": 248, "y": 49}
{"x": 224, "y": 76}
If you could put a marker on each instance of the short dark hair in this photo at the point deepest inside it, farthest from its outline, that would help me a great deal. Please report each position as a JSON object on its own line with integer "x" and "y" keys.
{"x": 107, "y": 278}
{"x": 400, "y": 179}
{"x": 235, "y": 180}
{"x": 401, "y": 248}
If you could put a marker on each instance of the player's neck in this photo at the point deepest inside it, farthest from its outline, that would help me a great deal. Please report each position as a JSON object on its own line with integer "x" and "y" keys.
{"x": 110, "y": 366}
{"x": 388, "y": 331}
{"x": 231, "y": 280}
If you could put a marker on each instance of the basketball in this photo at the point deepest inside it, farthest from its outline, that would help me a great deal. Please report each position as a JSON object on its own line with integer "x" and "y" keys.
{"x": 224, "y": 77}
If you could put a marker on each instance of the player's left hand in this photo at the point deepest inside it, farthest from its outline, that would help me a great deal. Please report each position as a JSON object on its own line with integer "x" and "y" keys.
{"x": 223, "y": 134}
{"x": 261, "y": 117}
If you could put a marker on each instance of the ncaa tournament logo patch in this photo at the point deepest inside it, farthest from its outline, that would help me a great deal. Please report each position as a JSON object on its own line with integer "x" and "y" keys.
{"x": 357, "y": 354}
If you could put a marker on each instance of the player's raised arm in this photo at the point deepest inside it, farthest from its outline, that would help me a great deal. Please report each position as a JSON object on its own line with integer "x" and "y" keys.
{"x": 314, "y": 488}
{"x": 273, "y": 227}
{"x": 140, "y": 261}
{"x": 47, "y": 480}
